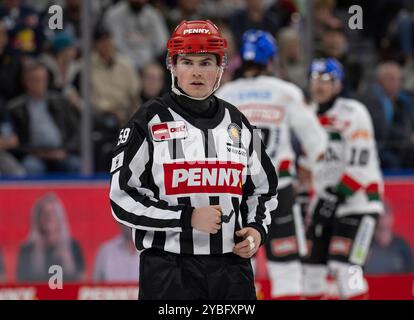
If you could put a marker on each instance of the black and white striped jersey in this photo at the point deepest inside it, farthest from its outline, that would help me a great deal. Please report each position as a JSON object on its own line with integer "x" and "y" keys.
{"x": 167, "y": 163}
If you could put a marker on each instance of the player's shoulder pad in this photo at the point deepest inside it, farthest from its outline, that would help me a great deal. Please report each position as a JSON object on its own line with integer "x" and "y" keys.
{"x": 357, "y": 114}
{"x": 291, "y": 92}
{"x": 290, "y": 87}
{"x": 354, "y": 107}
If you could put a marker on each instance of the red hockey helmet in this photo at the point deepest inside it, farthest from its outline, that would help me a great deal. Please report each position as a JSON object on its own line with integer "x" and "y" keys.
{"x": 198, "y": 36}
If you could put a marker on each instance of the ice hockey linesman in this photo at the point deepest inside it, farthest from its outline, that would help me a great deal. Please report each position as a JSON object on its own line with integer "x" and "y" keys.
{"x": 192, "y": 179}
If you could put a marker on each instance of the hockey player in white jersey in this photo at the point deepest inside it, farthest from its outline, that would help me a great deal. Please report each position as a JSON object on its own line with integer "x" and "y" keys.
{"x": 276, "y": 106}
{"x": 348, "y": 185}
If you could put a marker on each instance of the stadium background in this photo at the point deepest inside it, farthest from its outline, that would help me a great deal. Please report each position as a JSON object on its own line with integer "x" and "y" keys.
{"x": 301, "y": 28}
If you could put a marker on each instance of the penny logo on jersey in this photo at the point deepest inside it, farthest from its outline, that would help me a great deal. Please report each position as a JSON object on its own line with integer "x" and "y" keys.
{"x": 207, "y": 177}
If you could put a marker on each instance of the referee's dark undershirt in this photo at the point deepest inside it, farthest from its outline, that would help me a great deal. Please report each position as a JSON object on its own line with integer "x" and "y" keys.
{"x": 197, "y": 108}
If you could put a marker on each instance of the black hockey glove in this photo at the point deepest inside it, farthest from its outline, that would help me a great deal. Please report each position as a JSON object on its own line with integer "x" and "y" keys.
{"x": 328, "y": 204}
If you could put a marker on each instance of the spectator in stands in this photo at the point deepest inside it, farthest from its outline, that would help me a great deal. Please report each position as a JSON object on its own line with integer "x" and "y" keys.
{"x": 42, "y": 5}
{"x": 405, "y": 36}
{"x": 184, "y": 10}
{"x": 292, "y": 62}
{"x": 335, "y": 44}
{"x": 405, "y": 31}
{"x": 390, "y": 253}
{"x": 63, "y": 67}
{"x": 153, "y": 83}
{"x": 8, "y": 140}
{"x": 73, "y": 10}
{"x": 254, "y": 16}
{"x": 10, "y": 69}
{"x": 408, "y": 77}
{"x": 392, "y": 111}
{"x": 378, "y": 20}
{"x": 49, "y": 243}
{"x": 286, "y": 10}
{"x": 324, "y": 17}
{"x": 117, "y": 259}
{"x": 221, "y": 9}
{"x": 233, "y": 57}
{"x": 46, "y": 125}
{"x": 114, "y": 82}
{"x": 115, "y": 88}
{"x": 24, "y": 28}
{"x": 138, "y": 29}
{"x": 72, "y": 16}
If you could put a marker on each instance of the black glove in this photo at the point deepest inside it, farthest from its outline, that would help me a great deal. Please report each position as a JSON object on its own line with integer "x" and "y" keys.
{"x": 327, "y": 206}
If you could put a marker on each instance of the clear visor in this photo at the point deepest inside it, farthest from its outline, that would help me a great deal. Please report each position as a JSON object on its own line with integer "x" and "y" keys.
{"x": 322, "y": 77}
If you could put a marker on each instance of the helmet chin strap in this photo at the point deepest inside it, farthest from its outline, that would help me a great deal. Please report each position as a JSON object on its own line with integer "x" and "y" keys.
{"x": 180, "y": 93}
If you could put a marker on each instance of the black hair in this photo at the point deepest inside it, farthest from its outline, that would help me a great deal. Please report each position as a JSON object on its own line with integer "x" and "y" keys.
{"x": 101, "y": 32}
{"x": 257, "y": 68}
{"x": 33, "y": 65}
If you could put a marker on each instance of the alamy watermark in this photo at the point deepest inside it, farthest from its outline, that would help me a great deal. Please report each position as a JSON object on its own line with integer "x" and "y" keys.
{"x": 356, "y": 21}
{"x": 56, "y": 280}
{"x": 356, "y": 278}
{"x": 56, "y": 19}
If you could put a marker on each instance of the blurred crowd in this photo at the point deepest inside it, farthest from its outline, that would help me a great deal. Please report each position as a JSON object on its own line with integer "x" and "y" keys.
{"x": 40, "y": 68}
